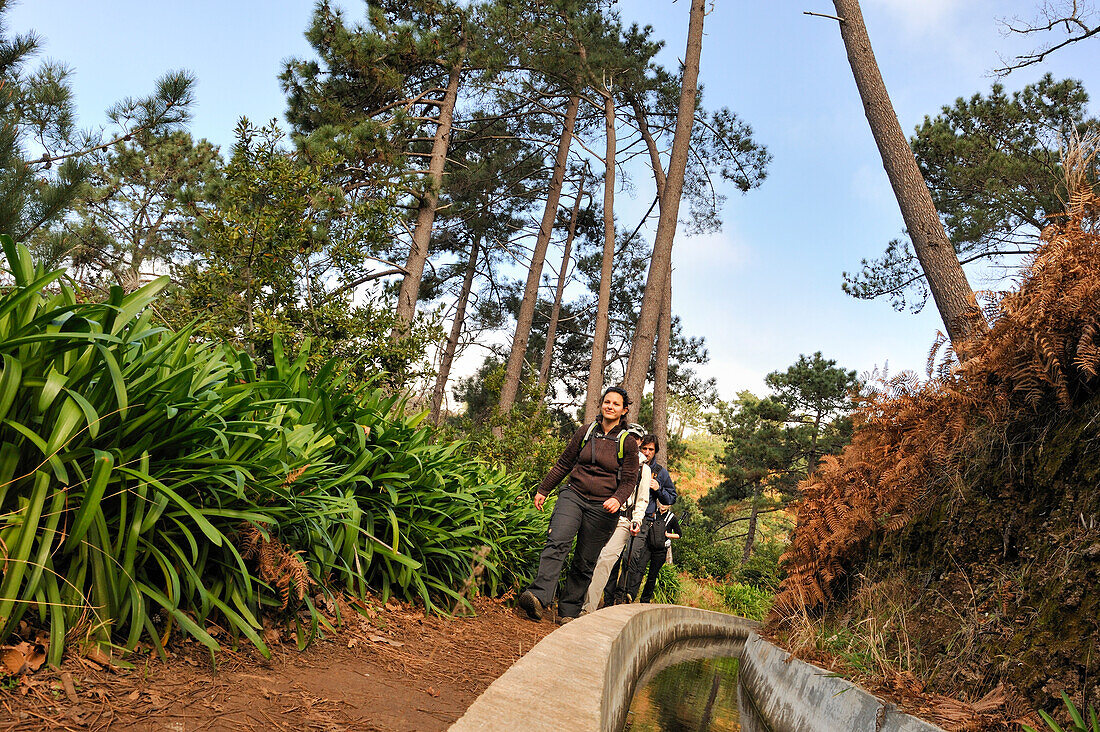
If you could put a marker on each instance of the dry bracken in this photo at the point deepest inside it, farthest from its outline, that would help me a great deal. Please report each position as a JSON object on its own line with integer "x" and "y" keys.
{"x": 1042, "y": 355}
{"x": 280, "y": 568}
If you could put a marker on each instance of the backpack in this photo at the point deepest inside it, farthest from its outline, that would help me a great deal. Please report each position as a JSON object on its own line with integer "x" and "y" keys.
{"x": 631, "y": 428}
{"x": 655, "y": 536}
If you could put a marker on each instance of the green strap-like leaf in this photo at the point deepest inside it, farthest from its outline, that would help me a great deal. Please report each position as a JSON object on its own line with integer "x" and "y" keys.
{"x": 9, "y": 383}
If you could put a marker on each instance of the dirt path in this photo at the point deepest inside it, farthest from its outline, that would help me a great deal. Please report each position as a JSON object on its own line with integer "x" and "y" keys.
{"x": 397, "y": 671}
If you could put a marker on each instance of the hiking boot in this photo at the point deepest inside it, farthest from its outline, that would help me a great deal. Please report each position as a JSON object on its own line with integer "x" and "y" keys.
{"x": 563, "y": 619}
{"x": 530, "y": 605}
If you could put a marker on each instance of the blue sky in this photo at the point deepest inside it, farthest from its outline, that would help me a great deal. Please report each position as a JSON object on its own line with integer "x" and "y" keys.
{"x": 768, "y": 287}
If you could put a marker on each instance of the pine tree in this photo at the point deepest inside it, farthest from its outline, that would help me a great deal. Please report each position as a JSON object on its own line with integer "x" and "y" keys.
{"x": 992, "y": 164}
{"x": 384, "y": 96}
{"x": 950, "y": 289}
{"x": 44, "y": 168}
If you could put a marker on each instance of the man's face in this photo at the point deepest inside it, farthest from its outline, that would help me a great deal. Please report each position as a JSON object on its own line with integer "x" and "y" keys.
{"x": 649, "y": 450}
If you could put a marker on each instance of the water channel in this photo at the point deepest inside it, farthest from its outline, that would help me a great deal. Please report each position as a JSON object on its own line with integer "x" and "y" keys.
{"x": 700, "y": 695}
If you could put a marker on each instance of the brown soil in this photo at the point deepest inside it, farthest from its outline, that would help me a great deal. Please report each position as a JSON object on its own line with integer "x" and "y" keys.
{"x": 399, "y": 670}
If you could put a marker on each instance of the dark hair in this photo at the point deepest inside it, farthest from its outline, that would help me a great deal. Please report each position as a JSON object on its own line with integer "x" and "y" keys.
{"x": 620, "y": 391}
{"x": 651, "y": 440}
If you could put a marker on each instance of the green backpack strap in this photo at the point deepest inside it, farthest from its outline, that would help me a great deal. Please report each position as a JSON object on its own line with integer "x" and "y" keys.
{"x": 630, "y": 430}
{"x": 588, "y": 435}
{"x": 622, "y": 446}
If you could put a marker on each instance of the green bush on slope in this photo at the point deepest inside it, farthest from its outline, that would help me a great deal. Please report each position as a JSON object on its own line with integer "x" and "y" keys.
{"x": 137, "y": 466}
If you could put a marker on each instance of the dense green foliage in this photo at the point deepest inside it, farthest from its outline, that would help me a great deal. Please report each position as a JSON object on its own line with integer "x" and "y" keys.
{"x": 746, "y": 601}
{"x": 770, "y": 444}
{"x": 149, "y": 480}
{"x": 667, "y": 589}
{"x": 777, "y": 440}
{"x": 529, "y": 440}
{"x": 708, "y": 547}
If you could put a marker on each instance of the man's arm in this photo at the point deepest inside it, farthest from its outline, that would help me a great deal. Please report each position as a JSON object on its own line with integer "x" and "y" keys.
{"x": 667, "y": 492}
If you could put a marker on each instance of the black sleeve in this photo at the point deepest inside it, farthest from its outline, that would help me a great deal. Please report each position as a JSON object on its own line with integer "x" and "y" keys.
{"x": 673, "y": 525}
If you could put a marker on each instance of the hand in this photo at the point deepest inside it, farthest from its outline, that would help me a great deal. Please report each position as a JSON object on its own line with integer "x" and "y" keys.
{"x": 635, "y": 527}
{"x": 654, "y": 485}
{"x": 540, "y": 499}
{"x": 611, "y": 505}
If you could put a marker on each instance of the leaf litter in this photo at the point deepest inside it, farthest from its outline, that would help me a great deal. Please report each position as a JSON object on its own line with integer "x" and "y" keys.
{"x": 392, "y": 668}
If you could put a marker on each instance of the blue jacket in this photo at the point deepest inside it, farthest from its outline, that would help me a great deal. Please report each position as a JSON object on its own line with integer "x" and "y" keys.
{"x": 667, "y": 493}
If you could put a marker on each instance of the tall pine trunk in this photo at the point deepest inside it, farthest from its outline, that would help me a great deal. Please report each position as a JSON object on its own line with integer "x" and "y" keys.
{"x": 456, "y": 332}
{"x": 950, "y": 289}
{"x": 660, "y": 370}
{"x": 603, "y": 301}
{"x": 555, "y": 311}
{"x": 429, "y": 200}
{"x": 750, "y": 536}
{"x": 811, "y": 465}
{"x": 514, "y": 369}
{"x": 641, "y": 349}
{"x": 664, "y": 322}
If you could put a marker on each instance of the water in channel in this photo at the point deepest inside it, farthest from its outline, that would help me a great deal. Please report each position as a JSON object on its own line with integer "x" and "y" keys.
{"x": 693, "y": 696}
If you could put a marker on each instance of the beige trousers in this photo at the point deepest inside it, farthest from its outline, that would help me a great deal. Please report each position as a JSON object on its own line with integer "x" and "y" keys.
{"x": 610, "y": 552}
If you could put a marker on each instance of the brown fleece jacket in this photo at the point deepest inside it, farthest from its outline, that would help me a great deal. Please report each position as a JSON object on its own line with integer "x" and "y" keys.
{"x": 592, "y": 470}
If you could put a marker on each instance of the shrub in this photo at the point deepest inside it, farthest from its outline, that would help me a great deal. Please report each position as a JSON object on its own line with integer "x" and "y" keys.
{"x": 697, "y": 552}
{"x": 149, "y": 481}
{"x": 746, "y": 600}
{"x": 667, "y": 589}
{"x": 762, "y": 569}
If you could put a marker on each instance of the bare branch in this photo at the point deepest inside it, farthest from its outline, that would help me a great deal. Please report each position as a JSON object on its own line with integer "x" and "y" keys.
{"x": 823, "y": 15}
{"x": 1072, "y": 16}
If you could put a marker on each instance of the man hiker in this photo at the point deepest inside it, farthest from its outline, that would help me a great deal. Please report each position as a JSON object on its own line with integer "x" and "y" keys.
{"x": 662, "y": 490}
{"x": 669, "y": 527}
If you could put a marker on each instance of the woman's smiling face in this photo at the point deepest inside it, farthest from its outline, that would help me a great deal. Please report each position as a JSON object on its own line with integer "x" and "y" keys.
{"x": 613, "y": 407}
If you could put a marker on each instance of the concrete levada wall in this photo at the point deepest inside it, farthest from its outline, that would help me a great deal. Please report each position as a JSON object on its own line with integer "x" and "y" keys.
{"x": 788, "y": 695}
{"x": 583, "y": 677}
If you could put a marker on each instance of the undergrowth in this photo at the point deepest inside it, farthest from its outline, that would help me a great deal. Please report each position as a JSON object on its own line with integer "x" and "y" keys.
{"x": 151, "y": 483}
{"x": 956, "y": 533}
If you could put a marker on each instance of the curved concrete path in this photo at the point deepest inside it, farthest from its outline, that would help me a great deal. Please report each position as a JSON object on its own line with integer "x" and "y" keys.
{"x": 583, "y": 677}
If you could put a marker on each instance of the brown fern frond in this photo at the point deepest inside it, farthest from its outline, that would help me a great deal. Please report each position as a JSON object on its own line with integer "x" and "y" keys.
{"x": 1041, "y": 354}
{"x": 250, "y": 539}
{"x": 295, "y": 474}
{"x": 937, "y": 344}
{"x": 276, "y": 565}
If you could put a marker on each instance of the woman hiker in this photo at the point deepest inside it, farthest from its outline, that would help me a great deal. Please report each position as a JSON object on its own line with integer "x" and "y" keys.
{"x": 635, "y": 559}
{"x": 602, "y": 465}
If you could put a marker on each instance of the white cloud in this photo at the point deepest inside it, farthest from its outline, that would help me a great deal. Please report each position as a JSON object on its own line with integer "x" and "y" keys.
{"x": 721, "y": 252}
{"x": 922, "y": 15}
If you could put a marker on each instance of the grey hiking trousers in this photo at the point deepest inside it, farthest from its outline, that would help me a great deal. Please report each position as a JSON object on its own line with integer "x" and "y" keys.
{"x": 591, "y": 525}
